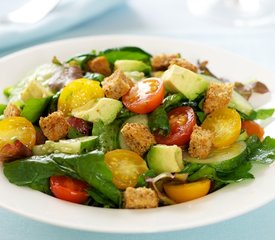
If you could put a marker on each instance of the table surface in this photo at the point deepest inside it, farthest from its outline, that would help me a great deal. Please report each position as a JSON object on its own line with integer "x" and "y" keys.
{"x": 170, "y": 19}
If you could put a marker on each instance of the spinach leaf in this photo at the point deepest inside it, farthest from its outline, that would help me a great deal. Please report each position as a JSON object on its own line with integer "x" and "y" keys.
{"x": 33, "y": 172}
{"x": 91, "y": 168}
{"x": 125, "y": 113}
{"x": 261, "y": 152}
{"x": 141, "y": 182}
{"x": 260, "y": 114}
{"x": 127, "y": 53}
{"x": 34, "y": 108}
{"x": 94, "y": 76}
{"x": 172, "y": 101}
{"x": 107, "y": 135}
{"x": 99, "y": 199}
{"x": 2, "y": 108}
{"x": 82, "y": 60}
{"x": 158, "y": 121}
{"x": 52, "y": 107}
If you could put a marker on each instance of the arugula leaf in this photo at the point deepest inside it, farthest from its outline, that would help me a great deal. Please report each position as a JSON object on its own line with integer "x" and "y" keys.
{"x": 158, "y": 121}
{"x": 261, "y": 152}
{"x": 107, "y": 135}
{"x": 127, "y": 53}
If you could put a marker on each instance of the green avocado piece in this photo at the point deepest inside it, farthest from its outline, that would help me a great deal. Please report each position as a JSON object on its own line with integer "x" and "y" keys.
{"x": 104, "y": 109}
{"x": 181, "y": 80}
{"x": 132, "y": 66}
{"x": 163, "y": 158}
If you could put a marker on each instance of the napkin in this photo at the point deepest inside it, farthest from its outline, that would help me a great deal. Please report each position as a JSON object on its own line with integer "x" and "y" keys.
{"x": 67, "y": 14}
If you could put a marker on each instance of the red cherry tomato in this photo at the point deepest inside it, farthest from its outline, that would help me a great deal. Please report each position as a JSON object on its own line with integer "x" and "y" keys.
{"x": 69, "y": 189}
{"x": 145, "y": 96}
{"x": 181, "y": 121}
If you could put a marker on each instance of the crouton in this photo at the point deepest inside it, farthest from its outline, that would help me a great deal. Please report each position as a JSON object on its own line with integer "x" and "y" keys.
{"x": 161, "y": 62}
{"x": 200, "y": 142}
{"x": 138, "y": 137}
{"x": 218, "y": 95}
{"x": 184, "y": 63}
{"x": 138, "y": 198}
{"x": 116, "y": 85}
{"x": 54, "y": 126}
{"x": 12, "y": 111}
{"x": 100, "y": 65}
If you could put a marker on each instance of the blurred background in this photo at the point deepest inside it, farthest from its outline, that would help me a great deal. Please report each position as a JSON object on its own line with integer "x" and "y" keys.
{"x": 245, "y": 27}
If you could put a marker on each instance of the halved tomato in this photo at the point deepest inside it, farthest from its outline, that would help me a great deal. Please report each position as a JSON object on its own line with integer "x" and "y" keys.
{"x": 181, "y": 121}
{"x": 253, "y": 128}
{"x": 69, "y": 189}
{"x": 144, "y": 96}
{"x": 125, "y": 166}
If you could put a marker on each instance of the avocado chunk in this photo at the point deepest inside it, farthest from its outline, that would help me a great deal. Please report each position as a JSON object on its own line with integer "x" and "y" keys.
{"x": 70, "y": 146}
{"x": 104, "y": 109}
{"x": 132, "y": 66}
{"x": 181, "y": 80}
{"x": 164, "y": 158}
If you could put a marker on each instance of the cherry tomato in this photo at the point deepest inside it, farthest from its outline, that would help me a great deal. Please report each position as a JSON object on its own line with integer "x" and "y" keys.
{"x": 181, "y": 121}
{"x": 187, "y": 191}
{"x": 253, "y": 128}
{"x": 225, "y": 123}
{"x": 77, "y": 93}
{"x": 69, "y": 189}
{"x": 20, "y": 128}
{"x": 145, "y": 96}
{"x": 125, "y": 166}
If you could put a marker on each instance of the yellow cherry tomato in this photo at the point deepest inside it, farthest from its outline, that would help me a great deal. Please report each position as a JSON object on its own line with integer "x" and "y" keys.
{"x": 19, "y": 128}
{"x": 226, "y": 124}
{"x": 187, "y": 191}
{"x": 125, "y": 166}
{"x": 77, "y": 93}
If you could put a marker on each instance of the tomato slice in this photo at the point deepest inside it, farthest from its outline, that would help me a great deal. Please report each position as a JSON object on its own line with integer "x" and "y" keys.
{"x": 69, "y": 189}
{"x": 125, "y": 166}
{"x": 19, "y": 128}
{"x": 253, "y": 128}
{"x": 181, "y": 121}
{"x": 145, "y": 96}
{"x": 225, "y": 123}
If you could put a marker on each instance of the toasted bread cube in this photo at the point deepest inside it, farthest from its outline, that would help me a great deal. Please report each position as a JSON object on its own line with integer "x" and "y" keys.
{"x": 161, "y": 62}
{"x": 218, "y": 96}
{"x": 138, "y": 137}
{"x": 184, "y": 63}
{"x": 12, "y": 111}
{"x": 100, "y": 65}
{"x": 54, "y": 126}
{"x": 200, "y": 142}
{"x": 139, "y": 198}
{"x": 116, "y": 85}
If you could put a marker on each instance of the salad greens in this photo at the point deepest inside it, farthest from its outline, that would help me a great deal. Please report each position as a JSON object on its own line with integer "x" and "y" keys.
{"x": 117, "y": 155}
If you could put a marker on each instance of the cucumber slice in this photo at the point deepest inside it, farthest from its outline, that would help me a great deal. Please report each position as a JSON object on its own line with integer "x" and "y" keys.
{"x": 141, "y": 118}
{"x": 222, "y": 159}
{"x": 70, "y": 146}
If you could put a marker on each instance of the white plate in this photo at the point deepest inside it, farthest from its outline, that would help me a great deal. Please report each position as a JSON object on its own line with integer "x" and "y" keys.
{"x": 226, "y": 203}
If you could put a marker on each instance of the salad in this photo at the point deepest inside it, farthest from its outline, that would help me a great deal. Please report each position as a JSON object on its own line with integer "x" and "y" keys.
{"x": 121, "y": 128}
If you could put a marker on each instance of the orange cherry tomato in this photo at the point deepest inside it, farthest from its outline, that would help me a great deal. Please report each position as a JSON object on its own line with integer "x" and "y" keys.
{"x": 225, "y": 123}
{"x": 187, "y": 191}
{"x": 19, "y": 128}
{"x": 181, "y": 121}
{"x": 253, "y": 128}
{"x": 126, "y": 166}
{"x": 145, "y": 96}
{"x": 69, "y": 189}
